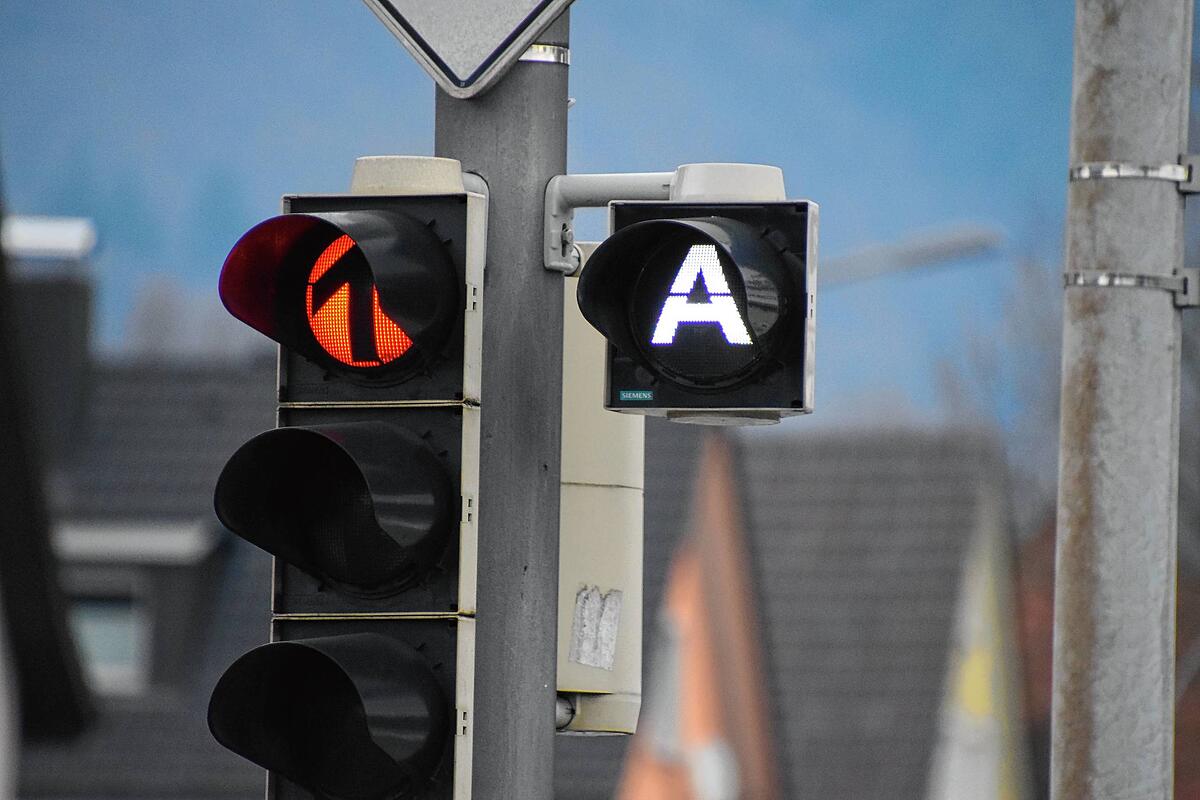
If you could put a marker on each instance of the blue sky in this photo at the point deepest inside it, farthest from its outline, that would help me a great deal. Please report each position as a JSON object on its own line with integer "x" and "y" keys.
{"x": 178, "y": 125}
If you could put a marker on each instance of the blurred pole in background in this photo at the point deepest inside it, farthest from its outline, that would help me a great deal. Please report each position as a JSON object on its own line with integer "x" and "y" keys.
{"x": 1114, "y": 622}
{"x": 926, "y": 249}
{"x": 43, "y": 666}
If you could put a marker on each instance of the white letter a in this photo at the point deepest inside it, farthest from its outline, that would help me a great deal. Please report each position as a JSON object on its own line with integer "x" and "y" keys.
{"x": 701, "y": 264}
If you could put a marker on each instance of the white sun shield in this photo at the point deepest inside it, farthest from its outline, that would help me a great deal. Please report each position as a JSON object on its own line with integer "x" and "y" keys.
{"x": 466, "y": 45}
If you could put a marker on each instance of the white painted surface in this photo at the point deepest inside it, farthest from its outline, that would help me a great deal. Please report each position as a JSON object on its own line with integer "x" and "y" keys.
{"x": 719, "y": 183}
{"x": 466, "y": 45}
{"x": 47, "y": 237}
{"x": 406, "y": 175}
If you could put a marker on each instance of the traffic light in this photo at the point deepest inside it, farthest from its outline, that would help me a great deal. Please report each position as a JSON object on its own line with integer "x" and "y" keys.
{"x": 365, "y": 495}
{"x": 707, "y": 307}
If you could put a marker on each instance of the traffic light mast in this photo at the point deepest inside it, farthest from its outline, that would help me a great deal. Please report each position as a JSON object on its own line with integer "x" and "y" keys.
{"x": 515, "y": 136}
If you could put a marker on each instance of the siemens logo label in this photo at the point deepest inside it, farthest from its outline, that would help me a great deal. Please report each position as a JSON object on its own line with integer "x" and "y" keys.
{"x": 636, "y": 394}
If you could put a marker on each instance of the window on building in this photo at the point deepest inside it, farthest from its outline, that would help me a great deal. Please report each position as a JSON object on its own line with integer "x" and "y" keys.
{"x": 113, "y": 634}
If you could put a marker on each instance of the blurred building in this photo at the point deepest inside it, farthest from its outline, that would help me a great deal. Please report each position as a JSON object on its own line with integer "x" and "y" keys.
{"x": 51, "y": 302}
{"x": 708, "y": 729}
{"x": 43, "y": 696}
{"x": 157, "y": 596}
{"x": 883, "y": 572}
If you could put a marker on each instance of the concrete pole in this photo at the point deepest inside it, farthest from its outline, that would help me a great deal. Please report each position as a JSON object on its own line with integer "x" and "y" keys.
{"x": 1114, "y": 620}
{"x": 515, "y": 136}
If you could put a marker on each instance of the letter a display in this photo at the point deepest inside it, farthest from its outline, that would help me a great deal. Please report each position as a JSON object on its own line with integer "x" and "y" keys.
{"x": 708, "y": 309}
{"x": 701, "y": 264}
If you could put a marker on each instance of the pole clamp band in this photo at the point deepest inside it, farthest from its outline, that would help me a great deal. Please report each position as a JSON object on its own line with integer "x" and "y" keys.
{"x": 1184, "y": 174}
{"x": 1185, "y": 286}
{"x": 547, "y": 54}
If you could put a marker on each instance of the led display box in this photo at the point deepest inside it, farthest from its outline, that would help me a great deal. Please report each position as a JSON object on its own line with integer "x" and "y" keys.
{"x": 708, "y": 309}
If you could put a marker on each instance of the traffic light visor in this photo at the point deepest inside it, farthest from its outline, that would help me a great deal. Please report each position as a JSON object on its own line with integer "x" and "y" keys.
{"x": 701, "y": 302}
{"x": 365, "y": 506}
{"x": 354, "y": 716}
{"x": 368, "y": 292}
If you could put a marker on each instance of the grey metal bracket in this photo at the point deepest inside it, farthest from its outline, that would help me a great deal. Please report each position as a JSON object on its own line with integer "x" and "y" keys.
{"x": 547, "y": 54}
{"x": 1185, "y": 286}
{"x": 1192, "y": 184}
{"x": 565, "y": 193}
{"x": 1184, "y": 174}
{"x": 473, "y": 182}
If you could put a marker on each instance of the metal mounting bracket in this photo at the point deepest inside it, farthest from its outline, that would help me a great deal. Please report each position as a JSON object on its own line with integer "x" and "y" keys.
{"x": 1192, "y": 184}
{"x": 1184, "y": 286}
{"x": 713, "y": 182}
{"x": 565, "y": 193}
{"x": 1184, "y": 173}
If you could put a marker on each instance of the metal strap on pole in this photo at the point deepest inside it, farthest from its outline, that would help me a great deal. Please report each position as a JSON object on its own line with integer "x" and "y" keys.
{"x": 1185, "y": 287}
{"x": 1182, "y": 173}
{"x": 547, "y": 54}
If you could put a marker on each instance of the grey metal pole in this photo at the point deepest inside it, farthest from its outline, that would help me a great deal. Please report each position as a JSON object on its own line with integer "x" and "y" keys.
{"x": 515, "y": 136}
{"x": 1114, "y": 619}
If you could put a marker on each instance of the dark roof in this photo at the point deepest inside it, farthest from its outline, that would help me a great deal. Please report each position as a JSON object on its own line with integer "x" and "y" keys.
{"x": 155, "y": 438}
{"x": 858, "y": 540}
{"x": 156, "y": 435}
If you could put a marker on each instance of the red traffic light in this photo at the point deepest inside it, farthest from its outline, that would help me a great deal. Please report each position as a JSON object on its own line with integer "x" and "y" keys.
{"x": 342, "y": 306}
{"x": 368, "y": 292}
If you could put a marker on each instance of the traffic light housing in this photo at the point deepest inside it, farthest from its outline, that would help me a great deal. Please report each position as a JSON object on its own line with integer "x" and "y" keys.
{"x": 365, "y": 495}
{"x": 363, "y": 292}
{"x": 708, "y": 309}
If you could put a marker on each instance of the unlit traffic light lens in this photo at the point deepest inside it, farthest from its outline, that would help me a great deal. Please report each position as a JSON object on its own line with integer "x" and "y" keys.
{"x": 365, "y": 506}
{"x": 354, "y": 717}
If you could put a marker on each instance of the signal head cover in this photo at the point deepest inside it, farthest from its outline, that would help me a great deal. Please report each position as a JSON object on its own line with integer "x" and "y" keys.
{"x": 364, "y": 506}
{"x": 366, "y": 292}
{"x": 351, "y": 716}
{"x": 705, "y": 306}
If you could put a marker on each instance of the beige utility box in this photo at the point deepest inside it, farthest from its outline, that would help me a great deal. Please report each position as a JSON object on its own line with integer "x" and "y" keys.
{"x": 600, "y": 541}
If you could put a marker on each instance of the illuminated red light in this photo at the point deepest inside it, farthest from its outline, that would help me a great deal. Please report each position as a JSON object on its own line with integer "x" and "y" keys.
{"x": 331, "y": 323}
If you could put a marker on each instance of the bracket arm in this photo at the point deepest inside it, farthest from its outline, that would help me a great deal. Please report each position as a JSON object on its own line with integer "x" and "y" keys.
{"x": 565, "y": 193}
{"x": 1184, "y": 287}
